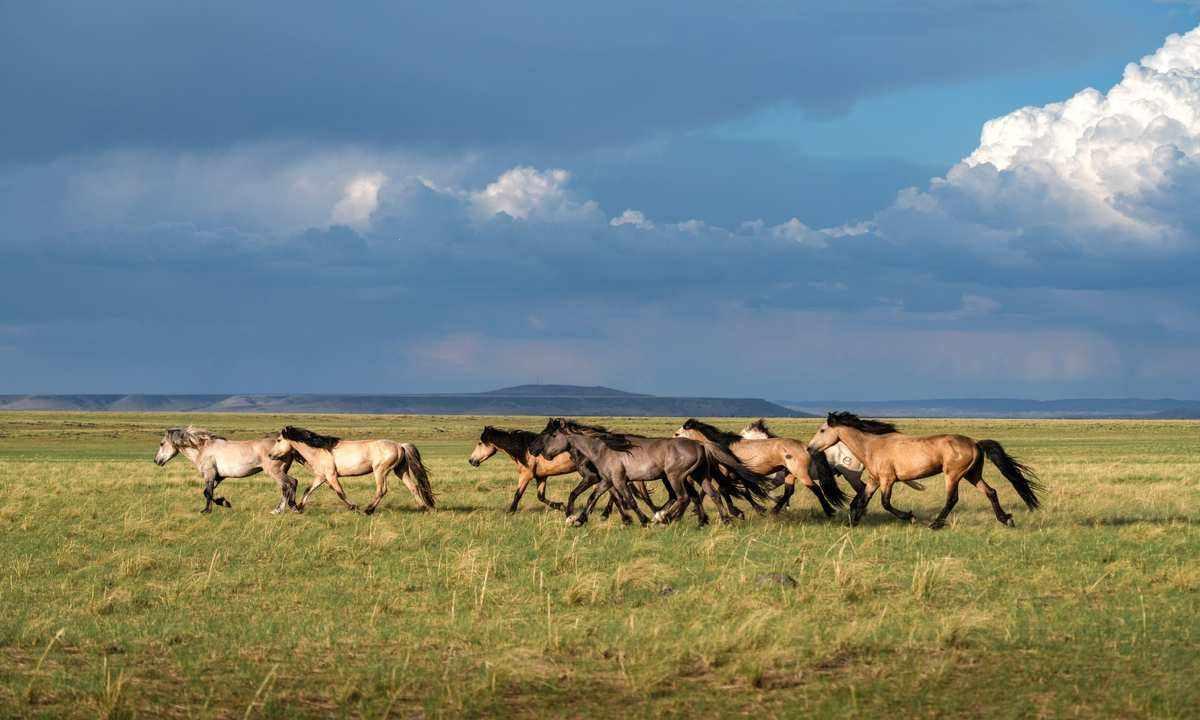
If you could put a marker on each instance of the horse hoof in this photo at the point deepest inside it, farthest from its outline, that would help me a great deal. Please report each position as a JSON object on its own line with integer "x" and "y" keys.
{"x": 1009, "y": 521}
{"x": 369, "y": 511}
{"x": 276, "y": 511}
{"x": 658, "y": 518}
{"x": 352, "y": 508}
{"x": 937, "y": 525}
{"x": 206, "y": 511}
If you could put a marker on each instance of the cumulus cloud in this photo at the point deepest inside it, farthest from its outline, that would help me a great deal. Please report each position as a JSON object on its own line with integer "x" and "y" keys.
{"x": 528, "y": 193}
{"x": 634, "y": 218}
{"x": 359, "y": 199}
{"x": 1099, "y": 172}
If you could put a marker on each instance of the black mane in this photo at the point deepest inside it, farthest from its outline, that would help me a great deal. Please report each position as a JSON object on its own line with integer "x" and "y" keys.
{"x": 849, "y": 419}
{"x": 310, "y": 438}
{"x": 761, "y": 426}
{"x": 612, "y": 440}
{"x": 714, "y": 434}
{"x": 514, "y": 442}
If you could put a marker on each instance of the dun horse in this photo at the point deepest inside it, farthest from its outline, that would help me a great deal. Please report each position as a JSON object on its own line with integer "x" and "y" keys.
{"x": 770, "y": 455}
{"x": 331, "y": 458}
{"x": 891, "y": 456}
{"x": 217, "y": 458}
{"x": 839, "y": 456}
{"x": 515, "y": 444}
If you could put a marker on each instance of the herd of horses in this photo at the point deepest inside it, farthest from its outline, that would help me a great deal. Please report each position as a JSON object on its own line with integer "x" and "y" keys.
{"x": 698, "y": 462}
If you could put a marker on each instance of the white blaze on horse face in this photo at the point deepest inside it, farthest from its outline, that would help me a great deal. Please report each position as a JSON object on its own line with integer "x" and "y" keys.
{"x": 482, "y": 452}
{"x": 166, "y": 451}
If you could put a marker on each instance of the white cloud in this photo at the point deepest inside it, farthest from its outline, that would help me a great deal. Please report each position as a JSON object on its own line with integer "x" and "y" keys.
{"x": 360, "y": 197}
{"x": 798, "y": 232}
{"x": 634, "y": 218}
{"x": 1102, "y": 170}
{"x": 526, "y": 193}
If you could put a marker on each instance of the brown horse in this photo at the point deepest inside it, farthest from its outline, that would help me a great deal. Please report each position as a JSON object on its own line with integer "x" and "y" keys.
{"x": 330, "y": 458}
{"x": 892, "y": 456}
{"x": 771, "y": 455}
{"x": 515, "y": 444}
{"x": 839, "y": 456}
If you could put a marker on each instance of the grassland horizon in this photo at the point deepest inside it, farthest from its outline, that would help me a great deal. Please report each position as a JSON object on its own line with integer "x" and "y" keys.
{"x": 120, "y": 600}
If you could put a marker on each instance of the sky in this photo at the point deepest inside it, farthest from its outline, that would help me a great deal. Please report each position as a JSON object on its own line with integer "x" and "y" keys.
{"x": 869, "y": 199}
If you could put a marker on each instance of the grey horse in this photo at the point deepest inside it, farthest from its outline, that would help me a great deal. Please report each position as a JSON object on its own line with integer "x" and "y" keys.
{"x": 217, "y": 458}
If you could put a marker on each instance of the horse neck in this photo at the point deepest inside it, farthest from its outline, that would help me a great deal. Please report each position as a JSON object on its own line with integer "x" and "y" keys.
{"x": 308, "y": 452}
{"x": 191, "y": 453}
{"x": 586, "y": 445}
{"x": 859, "y": 442}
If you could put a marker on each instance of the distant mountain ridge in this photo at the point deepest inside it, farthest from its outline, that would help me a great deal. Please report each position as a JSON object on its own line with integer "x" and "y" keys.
{"x": 1163, "y": 408}
{"x": 517, "y": 400}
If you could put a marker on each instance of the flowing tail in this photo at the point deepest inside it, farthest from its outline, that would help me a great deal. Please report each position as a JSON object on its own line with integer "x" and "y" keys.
{"x": 820, "y": 470}
{"x": 418, "y": 474}
{"x": 747, "y": 484}
{"x": 1024, "y": 480}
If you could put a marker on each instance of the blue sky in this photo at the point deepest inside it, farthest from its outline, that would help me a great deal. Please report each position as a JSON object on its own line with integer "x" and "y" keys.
{"x": 784, "y": 200}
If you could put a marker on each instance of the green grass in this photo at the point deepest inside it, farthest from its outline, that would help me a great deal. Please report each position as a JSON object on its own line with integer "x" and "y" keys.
{"x": 118, "y": 599}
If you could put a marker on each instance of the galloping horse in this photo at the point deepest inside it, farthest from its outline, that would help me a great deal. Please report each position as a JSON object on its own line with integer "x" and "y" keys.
{"x": 770, "y": 455}
{"x": 620, "y": 460}
{"x": 217, "y": 458}
{"x": 892, "y": 456}
{"x": 839, "y": 456}
{"x": 330, "y": 458}
{"x": 515, "y": 444}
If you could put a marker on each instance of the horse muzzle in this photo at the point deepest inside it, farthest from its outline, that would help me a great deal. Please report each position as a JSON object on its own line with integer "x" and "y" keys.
{"x": 473, "y": 461}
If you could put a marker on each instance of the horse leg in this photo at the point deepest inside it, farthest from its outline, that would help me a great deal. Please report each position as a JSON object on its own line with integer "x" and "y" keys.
{"x": 541, "y": 494}
{"x": 733, "y": 508}
{"x": 975, "y": 477}
{"x": 522, "y": 483}
{"x": 588, "y": 481}
{"x": 885, "y": 499}
{"x": 381, "y": 488}
{"x": 597, "y": 492}
{"x": 711, "y": 491}
{"x": 286, "y": 493}
{"x": 290, "y": 491}
{"x": 337, "y": 488}
{"x": 624, "y": 498}
{"x": 217, "y": 499}
{"x": 211, "y": 479}
{"x": 858, "y": 508}
{"x": 789, "y": 487}
{"x": 318, "y": 481}
{"x": 951, "y": 499}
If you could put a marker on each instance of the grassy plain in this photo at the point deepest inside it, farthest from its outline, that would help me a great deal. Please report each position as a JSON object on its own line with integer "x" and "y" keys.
{"x": 118, "y": 599}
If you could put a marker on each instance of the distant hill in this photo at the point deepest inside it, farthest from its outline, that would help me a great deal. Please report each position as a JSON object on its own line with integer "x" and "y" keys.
{"x": 518, "y": 400}
{"x": 560, "y": 391}
{"x": 1010, "y": 408}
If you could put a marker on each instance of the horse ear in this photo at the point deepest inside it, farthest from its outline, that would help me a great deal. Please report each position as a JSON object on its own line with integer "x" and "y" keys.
{"x": 830, "y": 419}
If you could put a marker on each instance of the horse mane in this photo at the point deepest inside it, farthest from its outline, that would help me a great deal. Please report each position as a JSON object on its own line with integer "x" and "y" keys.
{"x": 513, "y": 442}
{"x": 612, "y": 440}
{"x": 867, "y": 425}
{"x": 191, "y": 436}
{"x": 308, "y": 437}
{"x": 711, "y": 432}
{"x": 761, "y": 426}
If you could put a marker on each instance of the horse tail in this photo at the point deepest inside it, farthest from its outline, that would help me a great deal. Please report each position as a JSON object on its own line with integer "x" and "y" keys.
{"x": 416, "y": 471}
{"x": 820, "y": 470}
{"x": 1024, "y": 480}
{"x": 751, "y": 484}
